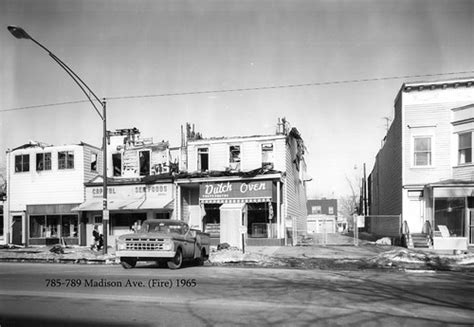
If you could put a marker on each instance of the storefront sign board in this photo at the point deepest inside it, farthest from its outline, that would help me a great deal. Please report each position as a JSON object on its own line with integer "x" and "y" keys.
{"x": 229, "y": 190}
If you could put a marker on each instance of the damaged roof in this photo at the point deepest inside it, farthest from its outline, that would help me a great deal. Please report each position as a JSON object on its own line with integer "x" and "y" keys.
{"x": 170, "y": 177}
{"x": 38, "y": 144}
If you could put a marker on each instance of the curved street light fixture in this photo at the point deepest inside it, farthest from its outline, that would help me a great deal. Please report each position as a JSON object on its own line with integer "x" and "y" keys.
{"x": 20, "y": 33}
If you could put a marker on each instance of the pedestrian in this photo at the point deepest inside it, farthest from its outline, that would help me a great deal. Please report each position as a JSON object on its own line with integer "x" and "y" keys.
{"x": 98, "y": 238}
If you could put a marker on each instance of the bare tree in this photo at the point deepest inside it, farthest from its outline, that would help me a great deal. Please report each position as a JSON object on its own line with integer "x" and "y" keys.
{"x": 350, "y": 204}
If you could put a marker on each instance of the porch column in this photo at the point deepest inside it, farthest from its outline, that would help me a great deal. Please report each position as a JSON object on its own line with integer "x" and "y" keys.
{"x": 178, "y": 202}
{"x": 279, "y": 230}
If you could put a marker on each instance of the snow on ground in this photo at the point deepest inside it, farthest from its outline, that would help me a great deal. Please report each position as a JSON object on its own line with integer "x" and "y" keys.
{"x": 365, "y": 256}
{"x": 40, "y": 253}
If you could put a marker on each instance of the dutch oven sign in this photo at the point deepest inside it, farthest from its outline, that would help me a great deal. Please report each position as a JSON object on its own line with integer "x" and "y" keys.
{"x": 229, "y": 190}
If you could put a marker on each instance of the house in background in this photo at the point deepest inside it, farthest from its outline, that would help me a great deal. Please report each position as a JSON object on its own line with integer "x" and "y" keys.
{"x": 244, "y": 189}
{"x": 44, "y": 182}
{"x": 322, "y": 216}
{"x": 424, "y": 171}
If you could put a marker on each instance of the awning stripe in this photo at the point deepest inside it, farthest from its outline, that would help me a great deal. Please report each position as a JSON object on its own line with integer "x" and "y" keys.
{"x": 236, "y": 200}
{"x": 135, "y": 204}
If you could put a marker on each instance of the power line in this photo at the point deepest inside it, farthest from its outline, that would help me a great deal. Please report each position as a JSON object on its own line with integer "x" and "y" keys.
{"x": 45, "y": 105}
{"x": 351, "y": 81}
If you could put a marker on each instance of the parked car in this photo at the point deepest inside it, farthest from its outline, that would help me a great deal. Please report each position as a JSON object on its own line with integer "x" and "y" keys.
{"x": 164, "y": 241}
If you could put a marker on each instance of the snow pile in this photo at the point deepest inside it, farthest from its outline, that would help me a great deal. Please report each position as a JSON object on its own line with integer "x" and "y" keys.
{"x": 234, "y": 255}
{"x": 399, "y": 255}
{"x": 384, "y": 241}
{"x": 417, "y": 259}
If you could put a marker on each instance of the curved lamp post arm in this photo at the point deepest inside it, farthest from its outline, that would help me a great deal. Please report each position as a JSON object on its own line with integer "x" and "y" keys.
{"x": 20, "y": 33}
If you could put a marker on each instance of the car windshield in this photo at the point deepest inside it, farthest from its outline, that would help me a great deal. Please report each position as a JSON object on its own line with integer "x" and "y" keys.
{"x": 163, "y": 227}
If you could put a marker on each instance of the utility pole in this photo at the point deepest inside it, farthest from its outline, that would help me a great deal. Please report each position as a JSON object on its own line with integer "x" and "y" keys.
{"x": 364, "y": 192}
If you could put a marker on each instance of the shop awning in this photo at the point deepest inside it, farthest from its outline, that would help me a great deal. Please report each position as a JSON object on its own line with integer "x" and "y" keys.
{"x": 237, "y": 200}
{"x": 133, "y": 204}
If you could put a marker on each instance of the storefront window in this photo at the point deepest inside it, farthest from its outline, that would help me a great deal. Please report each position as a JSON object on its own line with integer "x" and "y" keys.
{"x": 127, "y": 219}
{"x": 69, "y": 226}
{"x": 48, "y": 226}
{"x": 52, "y": 224}
{"x": 259, "y": 222}
{"x": 37, "y": 226}
{"x": 450, "y": 212}
{"x": 212, "y": 219}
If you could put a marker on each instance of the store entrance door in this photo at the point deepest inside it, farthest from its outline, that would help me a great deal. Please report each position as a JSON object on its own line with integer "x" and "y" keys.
{"x": 17, "y": 230}
{"x": 233, "y": 220}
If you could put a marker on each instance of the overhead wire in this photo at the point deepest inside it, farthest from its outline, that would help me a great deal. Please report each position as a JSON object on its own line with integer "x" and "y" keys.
{"x": 259, "y": 88}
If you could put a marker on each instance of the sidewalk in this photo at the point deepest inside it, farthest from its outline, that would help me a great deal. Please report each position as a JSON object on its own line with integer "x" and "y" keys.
{"x": 344, "y": 255}
{"x": 70, "y": 254}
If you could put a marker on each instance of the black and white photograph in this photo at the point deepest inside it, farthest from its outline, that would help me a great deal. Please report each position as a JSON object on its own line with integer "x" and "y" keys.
{"x": 236, "y": 163}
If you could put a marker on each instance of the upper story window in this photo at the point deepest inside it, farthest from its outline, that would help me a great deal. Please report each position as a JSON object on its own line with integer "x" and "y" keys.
{"x": 144, "y": 158}
{"x": 267, "y": 155}
{"x": 316, "y": 209}
{"x": 330, "y": 210}
{"x": 43, "y": 161}
{"x": 117, "y": 164}
{"x": 422, "y": 151}
{"x": 203, "y": 159}
{"x": 465, "y": 148}
{"x": 234, "y": 157}
{"x": 66, "y": 160}
{"x": 22, "y": 163}
{"x": 93, "y": 161}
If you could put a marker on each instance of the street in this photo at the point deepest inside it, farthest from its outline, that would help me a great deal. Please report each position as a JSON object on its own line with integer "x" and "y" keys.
{"x": 75, "y": 295}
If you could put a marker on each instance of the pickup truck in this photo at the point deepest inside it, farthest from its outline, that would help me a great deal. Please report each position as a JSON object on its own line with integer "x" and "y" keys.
{"x": 164, "y": 241}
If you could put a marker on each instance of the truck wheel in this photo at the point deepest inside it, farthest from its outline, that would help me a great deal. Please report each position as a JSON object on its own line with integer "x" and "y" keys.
{"x": 128, "y": 263}
{"x": 202, "y": 258}
{"x": 177, "y": 261}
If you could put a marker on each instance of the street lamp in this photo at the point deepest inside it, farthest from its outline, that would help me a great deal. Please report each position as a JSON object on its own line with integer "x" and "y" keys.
{"x": 20, "y": 33}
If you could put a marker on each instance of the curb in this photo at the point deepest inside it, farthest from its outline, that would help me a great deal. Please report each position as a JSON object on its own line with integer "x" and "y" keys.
{"x": 62, "y": 260}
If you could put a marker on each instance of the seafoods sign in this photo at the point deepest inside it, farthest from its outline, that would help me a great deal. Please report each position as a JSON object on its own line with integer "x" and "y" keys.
{"x": 229, "y": 190}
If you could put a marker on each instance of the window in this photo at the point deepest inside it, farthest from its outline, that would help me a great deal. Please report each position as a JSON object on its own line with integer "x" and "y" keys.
{"x": 117, "y": 163}
{"x": 93, "y": 161}
{"x": 450, "y": 212}
{"x": 422, "y": 151}
{"x": 267, "y": 156}
{"x": 316, "y": 209}
{"x": 144, "y": 158}
{"x": 43, "y": 161}
{"x": 22, "y": 163}
{"x": 37, "y": 226}
{"x": 66, "y": 160}
{"x": 48, "y": 226}
{"x": 234, "y": 160}
{"x": 203, "y": 159}
{"x": 330, "y": 210}
{"x": 465, "y": 148}
{"x": 69, "y": 226}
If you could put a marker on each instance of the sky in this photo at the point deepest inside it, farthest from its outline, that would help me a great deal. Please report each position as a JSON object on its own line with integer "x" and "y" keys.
{"x": 136, "y": 53}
